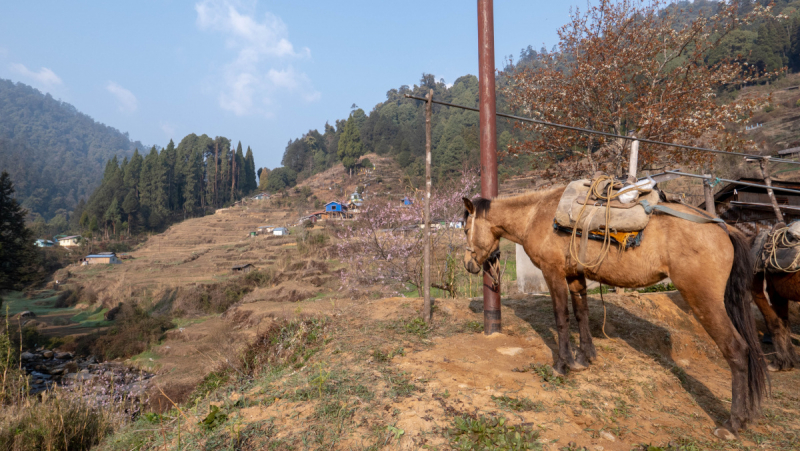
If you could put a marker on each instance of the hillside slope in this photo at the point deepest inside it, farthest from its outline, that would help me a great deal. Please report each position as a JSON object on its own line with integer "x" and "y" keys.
{"x": 54, "y": 153}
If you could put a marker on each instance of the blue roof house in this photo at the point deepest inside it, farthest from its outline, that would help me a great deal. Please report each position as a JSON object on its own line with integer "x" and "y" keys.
{"x": 333, "y": 207}
{"x": 407, "y": 201}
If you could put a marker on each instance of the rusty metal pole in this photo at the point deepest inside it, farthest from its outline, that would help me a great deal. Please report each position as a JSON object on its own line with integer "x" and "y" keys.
{"x": 709, "y": 195}
{"x": 488, "y": 132}
{"x": 426, "y": 307}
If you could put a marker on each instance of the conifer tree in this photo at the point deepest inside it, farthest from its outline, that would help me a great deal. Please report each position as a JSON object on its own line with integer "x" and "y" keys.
{"x": 130, "y": 206}
{"x": 250, "y": 172}
{"x": 18, "y": 256}
{"x": 350, "y": 147}
{"x": 112, "y": 216}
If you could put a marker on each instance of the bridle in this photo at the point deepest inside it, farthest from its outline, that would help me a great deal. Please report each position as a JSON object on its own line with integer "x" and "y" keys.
{"x": 469, "y": 234}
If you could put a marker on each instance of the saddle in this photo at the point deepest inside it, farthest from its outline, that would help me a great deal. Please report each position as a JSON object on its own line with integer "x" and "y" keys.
{"x": 777, "y": 250}
{"x": 624, "y": 216}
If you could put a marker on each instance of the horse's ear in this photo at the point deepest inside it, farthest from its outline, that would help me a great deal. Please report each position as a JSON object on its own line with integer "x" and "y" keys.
{"x": 468, "y": 205}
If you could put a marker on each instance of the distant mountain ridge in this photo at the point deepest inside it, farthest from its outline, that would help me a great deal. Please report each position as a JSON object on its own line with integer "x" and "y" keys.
{"x": 54, "y": 153}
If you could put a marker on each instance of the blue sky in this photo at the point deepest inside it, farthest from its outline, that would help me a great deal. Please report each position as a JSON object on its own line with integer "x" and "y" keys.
{"x": 262, "y": 72}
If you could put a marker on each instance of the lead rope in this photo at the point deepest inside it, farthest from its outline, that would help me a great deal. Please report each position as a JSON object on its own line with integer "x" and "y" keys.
{"x": 604, "y": 311}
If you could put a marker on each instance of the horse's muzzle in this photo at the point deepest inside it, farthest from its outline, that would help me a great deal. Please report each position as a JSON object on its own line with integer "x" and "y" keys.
{"x": 472, "y": 267}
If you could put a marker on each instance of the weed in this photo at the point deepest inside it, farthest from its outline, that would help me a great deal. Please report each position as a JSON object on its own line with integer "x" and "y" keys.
{"x": 658, "y": 288}
{"x": 472, "y": 326}
{"x": 482, "y": 433}
{"x": 518, "y": 405}
{"x": 545, "y": 372}
{"x": 214, "y": 418}
{"x": 380, "y": 356}
{"x": 210, "y": 383}
{"x": 417, "y": 327}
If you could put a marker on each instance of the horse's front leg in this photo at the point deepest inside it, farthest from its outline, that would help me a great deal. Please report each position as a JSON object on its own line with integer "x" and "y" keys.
{"x": 559, "y": 293}
{"x": 580, "y": 308}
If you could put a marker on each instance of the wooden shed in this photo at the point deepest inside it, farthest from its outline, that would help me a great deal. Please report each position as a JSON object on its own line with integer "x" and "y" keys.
{"x": 750, "y": 209}
{"x": 242, "y": 269}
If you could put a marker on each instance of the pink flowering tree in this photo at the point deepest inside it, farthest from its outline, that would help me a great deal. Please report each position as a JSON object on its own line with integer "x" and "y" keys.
{"x": 384, "y": 245}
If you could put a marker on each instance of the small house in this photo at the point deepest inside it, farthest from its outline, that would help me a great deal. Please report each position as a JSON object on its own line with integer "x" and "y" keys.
{"x": 44, "y": 243}
{"x": 69, "y": 241}
{"x": 280, "y": 231}
{"x": 253, "y": 234}
{"x": 104, "y": 258}
{"x": 407, "y": 201}
{"x": 262, "y": 230}
{"x": 242, "y": 269}
{"x": 334, "y": 207}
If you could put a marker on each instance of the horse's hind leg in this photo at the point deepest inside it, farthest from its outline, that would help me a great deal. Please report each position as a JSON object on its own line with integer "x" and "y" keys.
{"x": 580, "y": 307}
{"x": 709, "y": 308}
{"x": 777, "y": 319}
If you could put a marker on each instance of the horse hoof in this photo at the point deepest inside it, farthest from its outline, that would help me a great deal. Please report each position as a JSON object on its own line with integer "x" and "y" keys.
{"x": 559, "y": 372}
{"x": 777, "y": 368}
{"x": 724, "y": 434}
{"x": 577, "y": 367}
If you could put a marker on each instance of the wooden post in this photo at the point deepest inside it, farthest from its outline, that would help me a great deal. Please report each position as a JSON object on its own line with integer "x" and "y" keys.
{"x": 709, "y": 195}
{"x": 426, "y": 307}
{"x": 633, "y": 162}
{"x": 764, "y": 163}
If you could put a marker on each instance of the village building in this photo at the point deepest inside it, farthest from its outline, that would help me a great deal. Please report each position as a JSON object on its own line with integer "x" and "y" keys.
{"x": 336, "y": 210}
{"x": 265, "y": 229}
{"x": 41, "y": 242}
{"x": 69, "y": 241}
{"x": 280, "y": 231}
{"x": 242, "y": 269}
{"x": 103, "y": 258}
{"x": 750, "y": 208}
{"x": 407, "y": 201}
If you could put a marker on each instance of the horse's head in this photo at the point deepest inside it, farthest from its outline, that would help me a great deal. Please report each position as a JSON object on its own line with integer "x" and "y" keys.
{"x": 482, "y": 244}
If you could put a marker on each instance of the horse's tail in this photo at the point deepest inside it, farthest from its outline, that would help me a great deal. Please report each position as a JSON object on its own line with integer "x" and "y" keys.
{"x": 738, "y": 298}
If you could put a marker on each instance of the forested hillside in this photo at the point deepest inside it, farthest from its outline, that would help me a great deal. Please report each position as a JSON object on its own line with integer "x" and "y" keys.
{"x": 148, "y": 192}
{"x": 54, "y": 154}
{"x": 396, "y": 126}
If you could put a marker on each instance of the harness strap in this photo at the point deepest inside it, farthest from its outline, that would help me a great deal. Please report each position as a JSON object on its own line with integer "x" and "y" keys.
{"x": 679, "y": 214}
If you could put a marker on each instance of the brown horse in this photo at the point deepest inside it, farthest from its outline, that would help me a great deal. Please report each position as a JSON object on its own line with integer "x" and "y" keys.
{"x": 710, "y": 268}
{"x": 781, "y": 288}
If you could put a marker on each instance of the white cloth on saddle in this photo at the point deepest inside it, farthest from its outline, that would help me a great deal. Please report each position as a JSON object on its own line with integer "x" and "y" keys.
{"x": 630, "y": 219}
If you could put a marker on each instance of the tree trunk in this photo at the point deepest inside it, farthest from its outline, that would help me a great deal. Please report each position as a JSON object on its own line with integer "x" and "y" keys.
{"x": 216, "y": 172}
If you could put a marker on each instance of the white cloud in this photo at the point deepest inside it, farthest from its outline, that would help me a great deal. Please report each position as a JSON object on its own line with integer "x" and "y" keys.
{"x": 250, "y": 81}
{"x": 126, "y": 101}
{"x": 45, "y": 77}
{"x": 168, "y": 129}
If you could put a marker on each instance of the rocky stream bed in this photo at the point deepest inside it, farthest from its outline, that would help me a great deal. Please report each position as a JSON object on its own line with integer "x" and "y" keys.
{"x": 107, "y": 380}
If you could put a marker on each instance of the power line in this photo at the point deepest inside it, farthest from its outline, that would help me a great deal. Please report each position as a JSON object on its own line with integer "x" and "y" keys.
{"x": 610, "y": 135}
{"x": 738, "y": 182}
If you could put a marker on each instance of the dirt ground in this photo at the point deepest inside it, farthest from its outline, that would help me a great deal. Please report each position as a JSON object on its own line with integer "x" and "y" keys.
{"x": 658, "y": 380}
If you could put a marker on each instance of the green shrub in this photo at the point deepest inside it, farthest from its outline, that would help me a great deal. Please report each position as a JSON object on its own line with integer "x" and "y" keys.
{"x": 797, "y": 104}
{"x": 769, "y": 108}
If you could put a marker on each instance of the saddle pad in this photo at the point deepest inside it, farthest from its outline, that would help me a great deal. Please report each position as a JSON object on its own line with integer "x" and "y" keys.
{"x": 629, "y": 219}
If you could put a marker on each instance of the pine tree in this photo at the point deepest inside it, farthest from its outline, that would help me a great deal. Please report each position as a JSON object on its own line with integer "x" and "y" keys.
{"x": 250, "y": 172}
{"x": 168, "y": 159}
{"x": 130, "y": 206}
{"x": 112, "y": 215}
{"x": 350, "y": 147}
{"x": 18, "y": 256}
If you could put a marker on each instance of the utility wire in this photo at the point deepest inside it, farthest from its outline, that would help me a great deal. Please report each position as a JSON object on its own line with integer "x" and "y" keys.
{"x": 610, "y": 135}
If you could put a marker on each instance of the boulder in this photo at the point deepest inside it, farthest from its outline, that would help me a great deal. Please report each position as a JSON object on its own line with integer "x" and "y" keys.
{"x": 48, "y": 354}
{"x": 63, "y": 355}
{"x": 27, "y": 356}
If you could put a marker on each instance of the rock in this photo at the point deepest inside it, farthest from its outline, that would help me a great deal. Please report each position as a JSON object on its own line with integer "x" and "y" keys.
{"x": 63, "y": 355}
{"x": 108, "y": 374}
{"x": 84, "y": 371}
{"x": 48, "y": 354}
{"x": 37, "y": 375}
{"x": 27, "y": 356}
{"x": 608, "y": 436}
{"x": 27, "y": 314}
{"x": 56, "y": 371}
{"x": 509, "y": 351}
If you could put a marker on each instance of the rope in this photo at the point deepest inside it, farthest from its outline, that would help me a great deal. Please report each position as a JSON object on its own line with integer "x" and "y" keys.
{"x": 777, "y": 240}
{"x": 604, "y": 311}
{"x": 607, "y": 197}
{"x": 714, "y": 181}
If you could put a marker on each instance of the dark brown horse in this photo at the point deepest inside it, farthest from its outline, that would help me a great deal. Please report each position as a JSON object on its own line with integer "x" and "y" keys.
{"x": 709, "y": 266}
{"x": 781, "y": 288}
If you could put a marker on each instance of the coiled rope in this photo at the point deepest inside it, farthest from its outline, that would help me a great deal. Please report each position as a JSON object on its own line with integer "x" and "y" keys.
{"x": 778, "y": 239}
{"x": 608, "y": 196}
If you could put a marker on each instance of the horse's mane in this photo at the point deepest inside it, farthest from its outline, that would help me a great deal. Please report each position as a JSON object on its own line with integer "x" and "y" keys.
{"x": 483, "y": 205}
